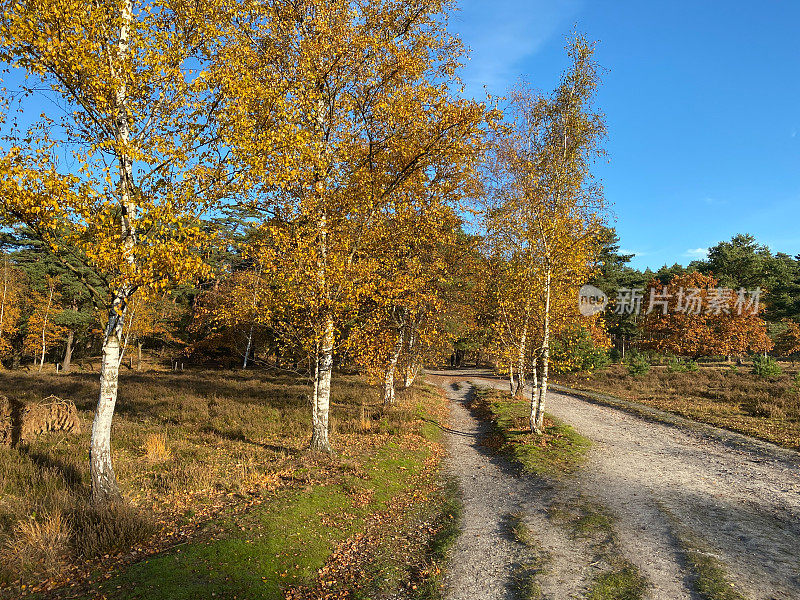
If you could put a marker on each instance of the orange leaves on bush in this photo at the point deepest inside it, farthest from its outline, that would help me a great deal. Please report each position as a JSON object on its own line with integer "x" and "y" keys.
{"x": 718, "y": 328}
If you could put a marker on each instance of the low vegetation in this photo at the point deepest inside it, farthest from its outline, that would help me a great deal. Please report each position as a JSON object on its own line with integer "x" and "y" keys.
{"x": 765, "y": 366}
{"x": 615, "y": 577}
{"x": 216, "y": 475}
{"x": 725, "y": 396}
{"x": 560, "y": 449}
{"x": 710, "y": 579}
{"x": 525, "y": 573}
{"x": 709, "y": 575}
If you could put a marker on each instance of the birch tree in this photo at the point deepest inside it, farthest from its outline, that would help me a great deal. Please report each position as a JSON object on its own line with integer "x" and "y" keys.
{"x": 11, "y": 300}
{"x": 367, "y": 86}
{"x": 42, "y": 330}
{"x": 544, "y": 214}
{"x": 407, "y": 261}
{"x": 117, "y": 172}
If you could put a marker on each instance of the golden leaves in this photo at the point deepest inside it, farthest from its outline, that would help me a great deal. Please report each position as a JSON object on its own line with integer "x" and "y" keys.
{"x": 543, "y": 209}
{"x": 137, "y": 111}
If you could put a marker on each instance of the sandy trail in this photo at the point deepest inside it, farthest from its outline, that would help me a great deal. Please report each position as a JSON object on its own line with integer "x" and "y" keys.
{"x": 744, "y": 503}
{"x": 485, "y": 555}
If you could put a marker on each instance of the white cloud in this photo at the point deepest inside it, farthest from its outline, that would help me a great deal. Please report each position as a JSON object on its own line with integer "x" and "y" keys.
{"x": 696, "y": 253}
{"x": 502, "y": 33}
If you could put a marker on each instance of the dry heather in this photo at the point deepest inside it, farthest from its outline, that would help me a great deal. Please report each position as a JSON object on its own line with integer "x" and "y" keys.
{"x": 733, "y": 398}
{"x": 186, "y": 446}
{"x": 23, "y": 422}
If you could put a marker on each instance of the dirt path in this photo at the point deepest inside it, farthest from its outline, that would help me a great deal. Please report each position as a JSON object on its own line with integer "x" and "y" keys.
{"x": 659, "y": 482}
{"x": 486, "y": 555}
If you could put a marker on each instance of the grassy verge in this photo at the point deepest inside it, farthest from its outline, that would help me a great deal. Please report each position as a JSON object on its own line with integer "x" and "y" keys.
{"x": 709, "y": 575}
{"x": 734, "y": 399}
{"x": 524, "y": 576}
{"x": 221, "y": 495}
{"x": 560, "y": 449}
{"x": 711, "y": 580}
{"x": 283, "y": 544}
{"x": 406, "y": 558}
{"x": 615, "y": 578}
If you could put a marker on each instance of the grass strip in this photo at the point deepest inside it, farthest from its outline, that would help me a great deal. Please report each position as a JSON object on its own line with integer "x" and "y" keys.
{"x": 616, "y": 578}
{"x": 558, "y": 450}
{"x": 709, "y": 574}
{"x": 524, "y": 576}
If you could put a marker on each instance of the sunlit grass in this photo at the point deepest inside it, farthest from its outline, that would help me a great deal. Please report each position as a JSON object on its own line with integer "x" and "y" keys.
{"x": 192, "y": 452}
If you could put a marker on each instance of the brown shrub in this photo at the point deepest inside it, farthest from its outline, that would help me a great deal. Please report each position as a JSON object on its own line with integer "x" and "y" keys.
{"x": 155, "y": 447}
{"x": 36, "y": 547}
{"x": 6, "y": 422}
{"x": 108, "y": 528}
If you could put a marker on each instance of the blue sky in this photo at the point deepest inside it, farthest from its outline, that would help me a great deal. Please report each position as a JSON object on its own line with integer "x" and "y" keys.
{"x": 702, "y": 101}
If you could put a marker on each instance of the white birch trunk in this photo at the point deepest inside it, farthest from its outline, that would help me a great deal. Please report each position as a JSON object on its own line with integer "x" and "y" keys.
{"x": 324, "y": 362}
{"x": 411, "y": 375}
{"x": 104, "y": 482}
{"x": 534, "y": 393}
{"x": 542, "y": 399}
{"x": 511, "y": 375}
{"x": 521, "y": 360}
{"x": 324, "y": 356}
{"x": 322, "y": 390}
{"x": 249, "y": 345}
{"x": 388, "y": 380}
{"x": 411, "y": 369}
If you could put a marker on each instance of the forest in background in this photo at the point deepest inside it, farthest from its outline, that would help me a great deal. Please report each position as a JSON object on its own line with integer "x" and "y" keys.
{"x": 48, "y": 315}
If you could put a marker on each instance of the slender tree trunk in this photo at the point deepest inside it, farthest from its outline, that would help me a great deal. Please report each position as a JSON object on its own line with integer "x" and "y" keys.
{"x": 388, "y": 380}
{"x": 253, "y": 324}
{"x": 139, "y": 356}
{"x": 411, "y": 368}
{"x": 542, "y": 399}
{"x": 324, "y": 363}
{"x": 534, "y": 392}
{"x": 44, "y": 327}
{"x": 411, "y": 375}
{"x": 3, "y": 303}
{"x": 249, "y": 345}
{"x": 322, "y": 390}
{"x": 65, "y": 364}
{"x": 104, "y": 482}
{"x": 522, "y": 345}
{"x": 511, "y": 381}
{"x": 521, "y": 361}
